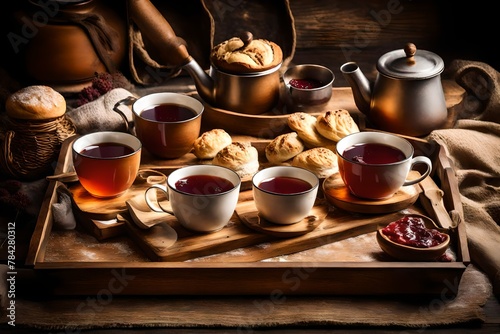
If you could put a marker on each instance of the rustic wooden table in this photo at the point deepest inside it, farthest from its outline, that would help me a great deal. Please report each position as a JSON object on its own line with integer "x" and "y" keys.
{"x": 491, "y": 309}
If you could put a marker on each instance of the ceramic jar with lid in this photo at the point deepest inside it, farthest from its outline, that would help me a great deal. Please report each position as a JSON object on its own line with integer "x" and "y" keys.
{"x": 64, "y": 43}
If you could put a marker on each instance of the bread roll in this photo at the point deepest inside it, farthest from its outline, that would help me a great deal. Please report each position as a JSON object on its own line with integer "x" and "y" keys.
{"x": 319, "y": 160}
{"x": 210, "y": 143}
{"x": 305, "y": 126}
{"x": 284, "y": 147}
{"x": 336, "y": 124}
{"x": 246, "y": 55}
{"x": 35, "y": 103}
{"x": 241, "y": 157}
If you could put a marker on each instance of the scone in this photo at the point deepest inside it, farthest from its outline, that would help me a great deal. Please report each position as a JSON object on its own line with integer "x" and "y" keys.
{"x": 336, "y": 124}
{"x": 284, "y": 147}
{"x": 319, "y": 160}
{"x": 305, "y": 126}
{"x": 36, "y": 102}
{"x": 210, "y": 143}
{"x": 241, "y": 157}
{"x": 246, "y": 55}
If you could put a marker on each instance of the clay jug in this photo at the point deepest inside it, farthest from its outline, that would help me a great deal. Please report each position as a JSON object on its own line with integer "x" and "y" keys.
{"x": 64, "y": 43}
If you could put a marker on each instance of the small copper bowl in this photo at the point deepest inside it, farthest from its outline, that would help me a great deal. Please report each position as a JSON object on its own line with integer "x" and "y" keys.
{"x": 308, "y": 87}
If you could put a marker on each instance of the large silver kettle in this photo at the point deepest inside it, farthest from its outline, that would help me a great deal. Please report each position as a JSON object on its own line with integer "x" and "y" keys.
{"x": 407, "y": 96}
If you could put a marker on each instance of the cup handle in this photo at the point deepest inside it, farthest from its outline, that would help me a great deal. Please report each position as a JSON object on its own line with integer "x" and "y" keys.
{"x": 419, "y": 160}
{"x": 152, "y": 201}
{"x": 126, "y": 101}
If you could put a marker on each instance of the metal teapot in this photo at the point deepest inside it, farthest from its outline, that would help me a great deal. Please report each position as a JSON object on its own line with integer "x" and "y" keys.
{"x": 407, "y": 96}
{"x": 249, "y": 93}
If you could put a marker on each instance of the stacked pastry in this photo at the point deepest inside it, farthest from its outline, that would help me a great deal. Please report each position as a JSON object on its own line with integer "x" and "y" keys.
{"x": 311, "y": 145}
{"x": 246, "y": 55}
{"x": 218, "y": 146}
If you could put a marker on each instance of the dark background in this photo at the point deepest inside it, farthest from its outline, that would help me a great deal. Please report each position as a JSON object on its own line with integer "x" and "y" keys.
{"x": 325, "y": 28}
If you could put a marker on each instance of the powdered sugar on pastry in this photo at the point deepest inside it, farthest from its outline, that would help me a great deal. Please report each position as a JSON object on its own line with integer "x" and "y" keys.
{"x": 241, "y": 157}
{"x": 210, "y": 143}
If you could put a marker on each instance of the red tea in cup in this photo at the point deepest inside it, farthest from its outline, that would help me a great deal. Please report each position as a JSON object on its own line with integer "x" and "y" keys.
{"x": 285, "y": 185}
{"x": 106, "y": 162}
{"x": 203, "y": 184}
{"x": 375, "y": 165}
{"x": 168, "y": 112}
{"x": 284, "y": 194}
{"x": 107, "y": 150}
{"x": 373, "y": 153}
{"x": 166, "y": 123}
{"x": 202, "y": 197}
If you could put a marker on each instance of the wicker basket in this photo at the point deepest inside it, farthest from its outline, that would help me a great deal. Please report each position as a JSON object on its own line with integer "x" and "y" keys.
{"x": 29, "y": 149}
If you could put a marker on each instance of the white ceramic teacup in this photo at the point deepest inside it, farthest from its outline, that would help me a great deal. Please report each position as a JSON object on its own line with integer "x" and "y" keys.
{"x": 200, "y": 209}
{"x": 284, "y": 207}
{"x": 106, "y": 162}
{"x": 378, "y": 180}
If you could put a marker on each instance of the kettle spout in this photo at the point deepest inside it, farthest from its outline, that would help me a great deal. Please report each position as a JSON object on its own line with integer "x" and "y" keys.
{"x": 361, "y": 87}
{"x": 203, "y": 82}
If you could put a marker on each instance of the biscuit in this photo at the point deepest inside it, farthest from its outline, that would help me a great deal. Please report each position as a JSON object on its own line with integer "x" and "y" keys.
{"x": 210, "y": 143}
{"x": 246, "y": 55}
{"x": 241, "y": 157}
{"x": 305, "y": 126}
{"x": 336, "y": 124}
{"x": 320, "y": 160}
{"x": 284, "y": 147}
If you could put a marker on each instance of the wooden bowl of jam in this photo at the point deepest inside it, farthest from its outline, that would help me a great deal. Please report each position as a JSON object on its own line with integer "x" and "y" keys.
{"x": 413, "y": 238}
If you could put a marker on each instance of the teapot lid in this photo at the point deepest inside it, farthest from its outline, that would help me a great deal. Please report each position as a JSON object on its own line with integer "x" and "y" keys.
{"x": 410, "y": 63}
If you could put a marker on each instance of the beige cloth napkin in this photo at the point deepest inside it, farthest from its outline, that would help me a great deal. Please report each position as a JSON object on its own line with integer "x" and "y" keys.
{"x": 98, "y": 115}
{"x": 474, "y": 147}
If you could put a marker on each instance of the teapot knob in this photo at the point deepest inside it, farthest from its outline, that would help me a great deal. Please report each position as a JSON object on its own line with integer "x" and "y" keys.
{"x": 410, "y": 51}
{"x": 246, "y": 37}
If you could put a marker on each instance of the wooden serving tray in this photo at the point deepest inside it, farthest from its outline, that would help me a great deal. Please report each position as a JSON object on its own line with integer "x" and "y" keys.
{"x": 61, "y": 266}
{"x": 169, "y": 241}
{"x": 76, "y": 262}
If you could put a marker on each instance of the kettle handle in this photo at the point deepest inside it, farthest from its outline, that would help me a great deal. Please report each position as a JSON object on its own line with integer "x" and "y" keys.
{"x": 153, "y": 24}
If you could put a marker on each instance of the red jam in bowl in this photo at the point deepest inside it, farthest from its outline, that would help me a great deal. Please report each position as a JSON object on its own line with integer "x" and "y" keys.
{"x": 411, "y": 231}
{"x": 305, "y": 83}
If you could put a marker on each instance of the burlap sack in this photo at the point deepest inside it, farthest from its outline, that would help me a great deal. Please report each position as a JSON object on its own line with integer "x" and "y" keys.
{"x": 474, "y": 147}
{"x": 202, "y": 24}
{"x": 482, "y": 85}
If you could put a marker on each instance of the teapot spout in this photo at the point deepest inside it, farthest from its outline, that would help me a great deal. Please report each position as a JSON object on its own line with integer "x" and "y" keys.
{"x": 361, "y": 87}
{"x": 203, "y": 82}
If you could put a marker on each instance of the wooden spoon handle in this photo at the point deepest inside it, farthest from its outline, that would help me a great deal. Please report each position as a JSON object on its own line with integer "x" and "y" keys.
{"x": 432, "y": 201}
{"x": 156, "y": 28}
